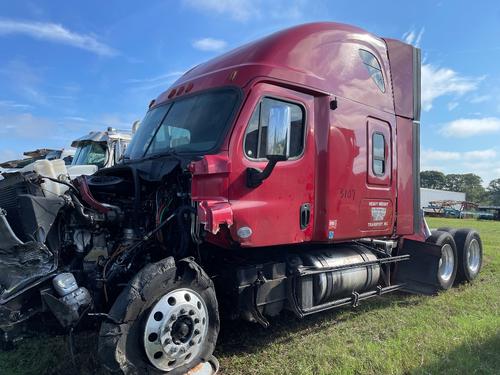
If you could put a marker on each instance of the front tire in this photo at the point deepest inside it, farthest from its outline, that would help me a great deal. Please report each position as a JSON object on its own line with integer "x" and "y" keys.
{"x": 165, "y": 321}
{"x": 448, "y": 263}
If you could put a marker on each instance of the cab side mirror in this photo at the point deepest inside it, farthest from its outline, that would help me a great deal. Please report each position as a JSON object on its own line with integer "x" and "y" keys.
{"x": 277, "y": 145}
{"x": 278, "y": 133}
{"x": 119, "y": 148}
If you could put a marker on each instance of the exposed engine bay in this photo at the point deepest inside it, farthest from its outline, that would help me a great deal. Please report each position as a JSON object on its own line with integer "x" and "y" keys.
{"x": 78, "y": 248}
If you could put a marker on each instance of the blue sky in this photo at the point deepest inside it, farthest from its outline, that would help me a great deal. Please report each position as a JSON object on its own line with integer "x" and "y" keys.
{"x": 70, "y": 67}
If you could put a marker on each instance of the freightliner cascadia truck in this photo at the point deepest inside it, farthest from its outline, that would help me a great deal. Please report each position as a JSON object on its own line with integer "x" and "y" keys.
{"x": 282, "y": 175}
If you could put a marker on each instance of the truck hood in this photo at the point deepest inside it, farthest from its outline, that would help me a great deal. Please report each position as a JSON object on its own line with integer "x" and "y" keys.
{"x": 78, "y": 170}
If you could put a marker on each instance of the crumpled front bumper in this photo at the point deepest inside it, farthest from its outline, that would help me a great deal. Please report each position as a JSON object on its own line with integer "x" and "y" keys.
{"x": 21, "y": 264}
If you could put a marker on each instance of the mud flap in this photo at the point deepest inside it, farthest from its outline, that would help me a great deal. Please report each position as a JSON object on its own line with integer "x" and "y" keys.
{"x": 419, "y": 273}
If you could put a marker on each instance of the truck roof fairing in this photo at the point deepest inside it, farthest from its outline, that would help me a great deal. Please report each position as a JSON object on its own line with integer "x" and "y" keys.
{"x": 323, "y": 57}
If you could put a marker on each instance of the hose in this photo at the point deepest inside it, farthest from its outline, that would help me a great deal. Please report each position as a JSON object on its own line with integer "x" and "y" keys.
{"x": 184, "y": 240}
{"x": 80, "y": 209}
{"x": 62, "y": 183}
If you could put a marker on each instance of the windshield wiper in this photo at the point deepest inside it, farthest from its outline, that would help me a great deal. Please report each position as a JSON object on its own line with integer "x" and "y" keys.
{"x": 170, "y": 152}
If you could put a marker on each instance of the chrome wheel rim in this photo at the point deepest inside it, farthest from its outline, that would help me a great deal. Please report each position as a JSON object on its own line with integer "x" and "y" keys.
{"x": 473, "y": 256}
{"x": 175, "y": 329}
{"x": 446, "y": 263}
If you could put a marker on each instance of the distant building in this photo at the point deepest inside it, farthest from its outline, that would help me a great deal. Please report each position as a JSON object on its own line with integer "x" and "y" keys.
{"x": 432, "y": 195}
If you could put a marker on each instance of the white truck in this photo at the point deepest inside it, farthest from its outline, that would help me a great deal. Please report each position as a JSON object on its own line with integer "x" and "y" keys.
{"x": 98, "y": 150}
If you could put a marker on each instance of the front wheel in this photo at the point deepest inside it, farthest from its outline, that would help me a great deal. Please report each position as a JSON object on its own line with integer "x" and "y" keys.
{"x": 165, "y": 322}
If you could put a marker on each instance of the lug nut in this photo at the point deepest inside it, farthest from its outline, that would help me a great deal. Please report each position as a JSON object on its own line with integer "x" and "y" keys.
{"x": 191, "y": 312}
{"x": 173, "y": 350}
{"x": 183, "y": 311}
{"x": 196, "y": 321}
{"x": 196, "y": 332}
{"x": 191, "y": 343}
{"x": 182, "y": 351}
{"x": 173, "y": 317}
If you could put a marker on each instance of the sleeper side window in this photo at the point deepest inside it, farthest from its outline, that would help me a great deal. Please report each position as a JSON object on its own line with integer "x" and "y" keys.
{"x": 373, "y": 66}
{"x": 378, "y": 157}
{"x": 255, "y": 143}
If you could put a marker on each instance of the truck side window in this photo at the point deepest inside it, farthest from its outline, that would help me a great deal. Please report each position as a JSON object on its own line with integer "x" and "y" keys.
{"x": 379, "y": 157}
{"x": 373, "y": 67}
{"x": 256, "y": 133}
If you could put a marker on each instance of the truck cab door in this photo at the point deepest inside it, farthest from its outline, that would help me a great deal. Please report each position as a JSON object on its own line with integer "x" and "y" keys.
{"x": 280, "y": 209}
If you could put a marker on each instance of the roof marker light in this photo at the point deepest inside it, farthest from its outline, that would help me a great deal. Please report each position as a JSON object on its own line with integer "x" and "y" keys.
{"x": 233, "y": 75}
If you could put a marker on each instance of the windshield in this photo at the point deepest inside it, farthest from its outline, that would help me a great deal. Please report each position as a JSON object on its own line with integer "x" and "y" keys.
{"x": 193, "y": 125}
{"x": 53, "y": 155}
{"x": 91, "y": 153}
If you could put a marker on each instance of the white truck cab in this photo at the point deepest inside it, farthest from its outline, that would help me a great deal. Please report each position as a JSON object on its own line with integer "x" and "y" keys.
{"x": 98, "y": 150}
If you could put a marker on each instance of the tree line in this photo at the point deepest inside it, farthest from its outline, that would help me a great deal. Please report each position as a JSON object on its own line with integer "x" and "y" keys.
{"x": 468, "y": 183}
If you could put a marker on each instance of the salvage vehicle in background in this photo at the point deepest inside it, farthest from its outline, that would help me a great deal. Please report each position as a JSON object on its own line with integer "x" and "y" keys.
{"x": 23, "y": 165}
{"x": 98, "y": 150}
{"x": 281, "y": 175}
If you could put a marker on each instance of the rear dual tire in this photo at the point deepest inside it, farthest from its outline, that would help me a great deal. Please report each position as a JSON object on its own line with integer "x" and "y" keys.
{"x": 469, "y": 253}
{"x": 448, "y": 263}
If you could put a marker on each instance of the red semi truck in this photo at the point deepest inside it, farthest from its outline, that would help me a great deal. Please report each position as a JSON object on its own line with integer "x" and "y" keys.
{"x": 281, "y": 175}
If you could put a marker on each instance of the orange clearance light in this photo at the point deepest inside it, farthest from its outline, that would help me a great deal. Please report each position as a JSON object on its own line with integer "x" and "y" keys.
{"x": 172, "y": 93}
{"x": 189, "y": 87}
{"x": 180, "y": 90}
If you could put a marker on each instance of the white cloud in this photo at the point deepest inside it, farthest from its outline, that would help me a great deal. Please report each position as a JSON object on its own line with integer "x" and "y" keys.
{"x": 245, "y": 10}
{"x": 76, "y": 118}
{"x": 480, "y": 154}
{"x": 434, "y": 155}
{"x": 25, "y": 125}
{"x": 14, "y": 105}
{"x": 438, "y": 82}
{"x": 413, "y": 37}
{"x": 121, "y": 121}
{"x": 484, "y": 163}
{"x": 480, "y": 99}
{"x": 239, "y": 10}
{"x": 150, "y": 83}
{"x": 55, "y": 33}
{"x": 469, "y": 127}
{"x": 25, "y": 80}
{"x": 209, "y": 44}
{"x": 6, "y": 155}
{"x": 160, "y": 77}
{"x": 441, "y": 81}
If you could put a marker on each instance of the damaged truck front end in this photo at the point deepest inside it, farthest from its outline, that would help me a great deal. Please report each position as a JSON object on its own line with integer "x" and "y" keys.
{"x": 106, "y": 247}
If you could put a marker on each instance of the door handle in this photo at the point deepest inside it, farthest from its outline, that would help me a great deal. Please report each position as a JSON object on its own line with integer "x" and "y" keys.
{"x": 305, "y": 215}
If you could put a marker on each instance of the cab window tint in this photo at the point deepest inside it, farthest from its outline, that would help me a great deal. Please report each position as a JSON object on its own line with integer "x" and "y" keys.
{"x": 256, "y": 134}
{"x": 379, "y": 157}
{"x": 374, "y": 70}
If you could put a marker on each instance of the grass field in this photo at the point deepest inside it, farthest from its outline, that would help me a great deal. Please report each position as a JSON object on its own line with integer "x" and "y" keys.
{"x": 456, "y": 332}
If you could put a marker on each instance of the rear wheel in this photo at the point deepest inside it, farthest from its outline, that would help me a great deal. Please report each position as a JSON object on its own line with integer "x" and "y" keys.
{"x": 448, "y": 263}
{"x": 470, "y": 254}
{"x": 448, "y": 229}
{"x": 165, "y": 322}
